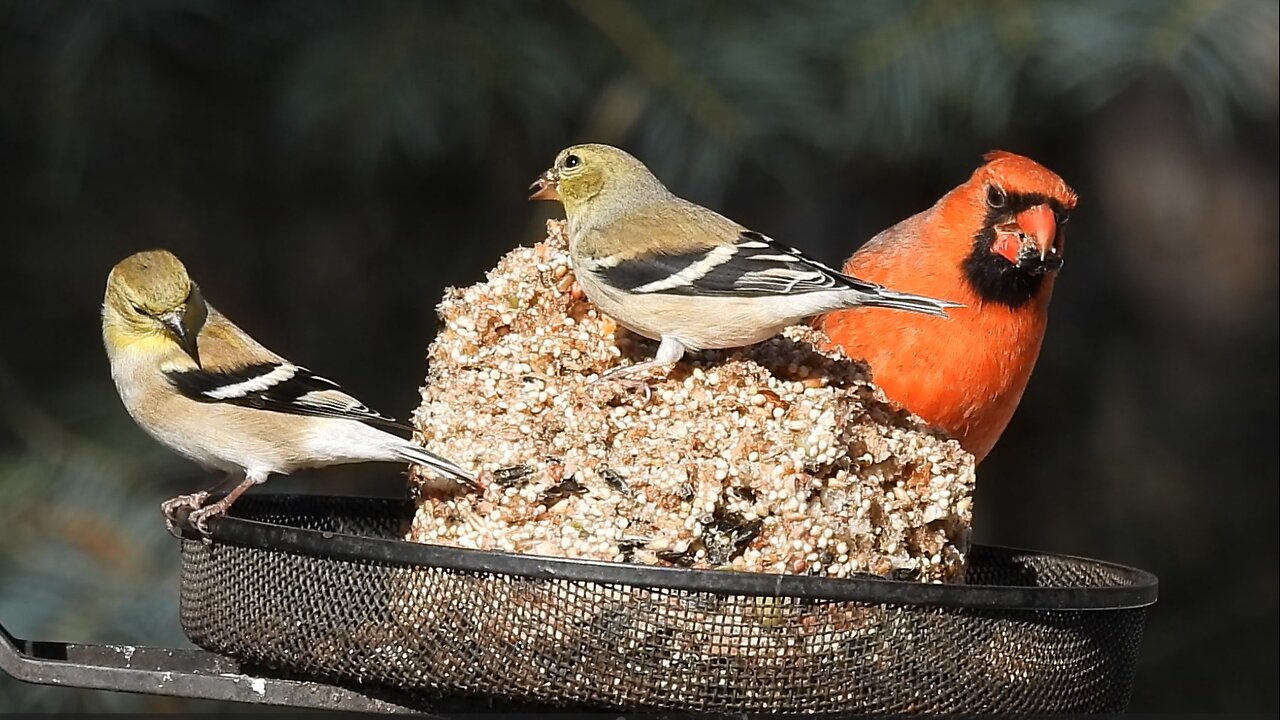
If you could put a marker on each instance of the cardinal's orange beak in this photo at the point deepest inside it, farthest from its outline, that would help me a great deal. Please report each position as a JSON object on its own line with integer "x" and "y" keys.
{"x": 1029, "y": 241}
{"x": 546, "y": 187}
{"x": 1039, "y": 224}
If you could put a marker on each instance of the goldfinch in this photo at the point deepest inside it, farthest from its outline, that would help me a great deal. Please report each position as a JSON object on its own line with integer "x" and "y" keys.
{"x": 205, "y": 389}
{"x": 684, "y": 275}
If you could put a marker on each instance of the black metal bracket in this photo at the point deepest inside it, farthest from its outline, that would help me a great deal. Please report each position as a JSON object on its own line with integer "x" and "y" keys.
{"x": 173, "y": 672}
{"x": 202, "y": 675}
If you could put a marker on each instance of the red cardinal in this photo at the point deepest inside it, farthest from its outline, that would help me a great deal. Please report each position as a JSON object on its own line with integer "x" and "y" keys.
{"x": 993, "y": 244}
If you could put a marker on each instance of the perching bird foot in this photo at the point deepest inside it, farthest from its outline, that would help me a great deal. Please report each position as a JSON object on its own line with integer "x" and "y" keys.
{"x": 639, "y": 376}
{"x": 199, "y": 519}
{"x": 170, "y": 508}
{"x": 618, "y": 384}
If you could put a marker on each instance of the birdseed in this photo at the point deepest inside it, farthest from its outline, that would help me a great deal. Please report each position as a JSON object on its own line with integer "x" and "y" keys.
{"x": 778, "y": 457}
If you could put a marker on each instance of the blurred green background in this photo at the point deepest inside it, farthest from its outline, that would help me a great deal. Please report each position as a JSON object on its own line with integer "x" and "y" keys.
{"x": 327, "y": 168}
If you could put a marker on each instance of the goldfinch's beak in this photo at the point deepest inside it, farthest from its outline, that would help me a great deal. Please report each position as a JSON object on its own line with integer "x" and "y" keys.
{"x": 175, "y": 321}
{"x": 546, "y": 187}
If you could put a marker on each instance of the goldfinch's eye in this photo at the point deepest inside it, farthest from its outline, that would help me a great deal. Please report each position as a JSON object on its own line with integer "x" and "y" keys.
{"x": 572, "y": 161}
{"x": 996, "y": 197}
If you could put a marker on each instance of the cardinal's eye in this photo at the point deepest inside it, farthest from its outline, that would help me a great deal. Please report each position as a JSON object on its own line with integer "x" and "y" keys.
{"x": 1061, "y": 216}
{"x": 996, "y": 197}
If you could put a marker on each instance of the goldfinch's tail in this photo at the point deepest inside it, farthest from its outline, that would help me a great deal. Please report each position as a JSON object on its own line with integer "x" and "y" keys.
{"x": 421, "y": 456}
{"x": 886, "y": 298}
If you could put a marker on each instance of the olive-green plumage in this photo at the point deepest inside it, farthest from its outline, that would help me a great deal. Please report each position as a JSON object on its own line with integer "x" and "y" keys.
{"x": 204, "y": 388}
{"x": 677, "y": 272}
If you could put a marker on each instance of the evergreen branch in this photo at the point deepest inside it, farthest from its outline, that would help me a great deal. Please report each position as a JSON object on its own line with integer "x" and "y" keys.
{"x": 663, "y": 66}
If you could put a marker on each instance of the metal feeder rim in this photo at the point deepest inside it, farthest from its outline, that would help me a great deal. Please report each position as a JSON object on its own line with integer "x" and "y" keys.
{"x": 228, "y": 529}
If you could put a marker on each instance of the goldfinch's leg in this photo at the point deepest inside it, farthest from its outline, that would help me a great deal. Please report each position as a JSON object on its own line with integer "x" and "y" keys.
{"x": 669, "y": 353}
{"x": 192, "y": 501}
{"x": 200, "y": 518}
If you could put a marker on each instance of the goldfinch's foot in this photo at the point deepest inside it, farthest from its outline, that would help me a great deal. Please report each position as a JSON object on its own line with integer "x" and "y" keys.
{"x": 616, "y": 383}
{"x": 199, "y": 519}
{"x": 170, "y": 508}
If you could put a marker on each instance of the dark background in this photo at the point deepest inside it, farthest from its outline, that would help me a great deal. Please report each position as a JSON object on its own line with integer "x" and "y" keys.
{"x": 326, "y": 169}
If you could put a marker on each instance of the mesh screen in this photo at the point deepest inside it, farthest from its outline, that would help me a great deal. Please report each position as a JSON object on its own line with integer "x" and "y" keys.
{"x": 441, "y": 632}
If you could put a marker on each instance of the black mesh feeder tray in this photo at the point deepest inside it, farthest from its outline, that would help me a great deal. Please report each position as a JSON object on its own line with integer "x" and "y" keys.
{"x": 323, "y": 588}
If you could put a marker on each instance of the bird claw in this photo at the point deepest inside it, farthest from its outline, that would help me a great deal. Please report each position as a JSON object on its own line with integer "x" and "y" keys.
{"x": 622, "y": 383}
{"x": 199, "y": 519}
{"x": 170, "y": 508}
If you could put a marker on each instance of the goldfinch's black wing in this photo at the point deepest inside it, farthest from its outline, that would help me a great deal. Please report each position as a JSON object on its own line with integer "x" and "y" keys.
{"x": 753, "y": 266}
{"x": 276, "y": 386}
